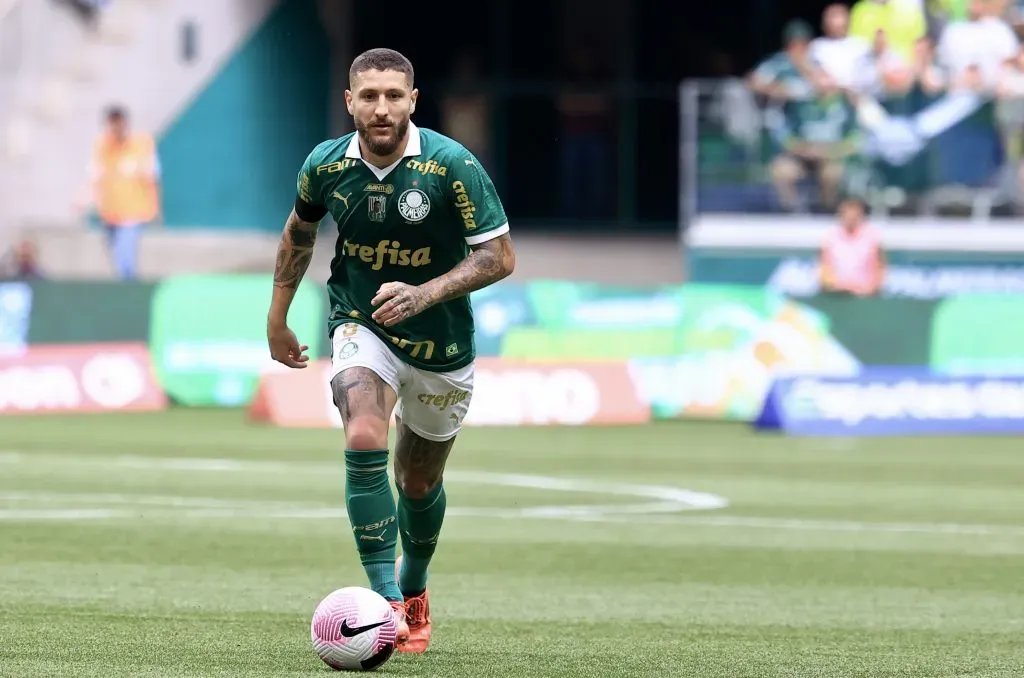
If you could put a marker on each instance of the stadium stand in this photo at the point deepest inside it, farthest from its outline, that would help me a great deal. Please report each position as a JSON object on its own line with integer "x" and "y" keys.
{"x": 927, "y": 119}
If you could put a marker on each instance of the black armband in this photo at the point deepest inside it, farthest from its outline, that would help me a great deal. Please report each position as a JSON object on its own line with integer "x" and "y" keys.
{"x": 309, "y": 213}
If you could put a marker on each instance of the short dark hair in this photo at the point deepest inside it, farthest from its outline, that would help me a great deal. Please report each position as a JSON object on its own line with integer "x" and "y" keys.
{"x": 116, "y": 112}
{"x": 381, "y": 59}
{"x": 854, "y": 200}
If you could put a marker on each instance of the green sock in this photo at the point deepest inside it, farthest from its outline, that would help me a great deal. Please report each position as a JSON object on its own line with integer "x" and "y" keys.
{"x": 419, "y": 521}
{"x": 371, "y": 510}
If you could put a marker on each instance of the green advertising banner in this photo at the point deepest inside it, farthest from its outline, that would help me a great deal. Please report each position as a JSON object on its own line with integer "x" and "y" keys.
{"x": 730, "y": 349}
{"x": 693, "y": 350}
{"x": 208, "y": 334}
{"x": 880, "y": 332}
{"x": 599, "y": 322}
{"x": 979, "y": 334}
{"x": 89, "y": 312}
{"x": 707, "y": 350}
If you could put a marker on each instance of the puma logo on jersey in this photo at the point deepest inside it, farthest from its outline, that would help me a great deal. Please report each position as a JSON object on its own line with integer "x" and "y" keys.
{"x": 343, "y": 198}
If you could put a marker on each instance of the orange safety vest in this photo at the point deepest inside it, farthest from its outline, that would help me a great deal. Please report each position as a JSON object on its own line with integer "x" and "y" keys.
{"x": 853, "y": 257}
{"x": 126, "y": 179}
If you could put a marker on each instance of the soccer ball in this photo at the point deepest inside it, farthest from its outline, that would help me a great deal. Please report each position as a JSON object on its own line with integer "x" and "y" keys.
{"x": 353, "y": 629}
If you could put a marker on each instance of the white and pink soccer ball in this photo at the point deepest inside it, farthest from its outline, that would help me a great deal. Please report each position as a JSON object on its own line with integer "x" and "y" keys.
{"x": 353, "y": 629}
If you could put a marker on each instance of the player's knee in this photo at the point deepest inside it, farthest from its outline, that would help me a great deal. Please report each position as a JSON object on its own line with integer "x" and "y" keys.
{"x": 416, "y": 486}
{"x": 366, "y": 433}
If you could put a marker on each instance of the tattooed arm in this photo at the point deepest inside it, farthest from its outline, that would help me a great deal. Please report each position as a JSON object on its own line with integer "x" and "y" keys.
{"x": 294, "y": 252}
{"x": 486, "y": 264}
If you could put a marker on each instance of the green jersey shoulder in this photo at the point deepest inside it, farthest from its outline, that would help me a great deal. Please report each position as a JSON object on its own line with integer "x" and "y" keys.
{"x": 432, "y": 155}
{"x": 410, "y": 222}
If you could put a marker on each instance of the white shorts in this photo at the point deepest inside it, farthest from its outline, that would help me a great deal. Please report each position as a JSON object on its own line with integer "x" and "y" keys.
{"x": 432, "y": 404}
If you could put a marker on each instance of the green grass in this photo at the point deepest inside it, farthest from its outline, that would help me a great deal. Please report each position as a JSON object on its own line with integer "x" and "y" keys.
{"x": 850, "y": 559}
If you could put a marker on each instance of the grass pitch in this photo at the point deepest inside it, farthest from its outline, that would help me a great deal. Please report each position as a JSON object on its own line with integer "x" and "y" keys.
{"x": 192, "y": 543}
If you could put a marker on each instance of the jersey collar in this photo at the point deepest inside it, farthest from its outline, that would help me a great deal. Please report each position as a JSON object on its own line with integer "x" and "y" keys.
{"x": 412, "y": 148}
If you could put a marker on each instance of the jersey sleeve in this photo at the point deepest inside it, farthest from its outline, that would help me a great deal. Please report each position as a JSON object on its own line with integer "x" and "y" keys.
{"x": 474, "y": 199}
{"x": 309, "y": 203}
{"x": 306, "y": 185}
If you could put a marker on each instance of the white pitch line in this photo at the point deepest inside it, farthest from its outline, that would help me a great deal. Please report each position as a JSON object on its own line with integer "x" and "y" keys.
{"x": 748, "y": 522}
{"x": 20, "y": 515}
{"x": 673, "y": 506}
{"x": 570, "y": 513}
{"x": 286, "y": 513}
{"x": 688, "y": 498}
{"x": 140, "y": 500}
{"x": 669, "y": 499}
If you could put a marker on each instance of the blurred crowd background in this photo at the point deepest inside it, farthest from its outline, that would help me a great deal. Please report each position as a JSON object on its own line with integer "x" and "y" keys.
{"x": 918, "y": 107}
{"x": 617, "y": 119}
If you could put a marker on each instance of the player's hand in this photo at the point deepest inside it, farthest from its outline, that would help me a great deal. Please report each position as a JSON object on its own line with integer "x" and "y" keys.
{"x": 285, "y": 348}
{"x": 398, "y": 302}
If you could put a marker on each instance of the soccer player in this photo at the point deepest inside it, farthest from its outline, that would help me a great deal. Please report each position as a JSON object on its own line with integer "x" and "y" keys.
{"x": 420, "y": 227}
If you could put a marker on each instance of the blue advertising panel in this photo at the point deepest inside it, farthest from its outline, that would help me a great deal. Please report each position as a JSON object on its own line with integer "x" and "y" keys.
{"x": 894, "y": 402}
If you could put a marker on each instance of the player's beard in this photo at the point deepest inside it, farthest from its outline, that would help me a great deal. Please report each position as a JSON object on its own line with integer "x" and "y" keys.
{"x": 383, "y": 147}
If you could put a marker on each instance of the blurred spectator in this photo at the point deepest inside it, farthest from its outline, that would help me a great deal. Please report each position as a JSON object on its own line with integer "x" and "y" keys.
{"x": 837, "y": 52}
{"x": 925, "y": 72}
{"x": 852, "y": 259}
{"x": 21, "y": 262}
{"x": 733, "y": 106}
{"x": 897, "y": 79}
{"x": 1014, "y": 16}
{"x": 1010, "y": 84}
{"x": 125, "y": 175}
{"x": 786, "y": 74}
{"x": 89, "y": 10}
{"x": 1010, "y": 92}
{"x": 882, "y": 70}
{"x": 587, "y": 125}
{"x": 819, "y": 138}
{"x": 901, "y": 21}
{"x": 974, "y": 51}
{"x": 939, "y": 13}
{"x": 466, "y": 110}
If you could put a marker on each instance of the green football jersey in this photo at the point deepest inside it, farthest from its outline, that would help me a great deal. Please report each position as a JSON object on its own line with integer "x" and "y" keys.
{"x": 409, "y": 223}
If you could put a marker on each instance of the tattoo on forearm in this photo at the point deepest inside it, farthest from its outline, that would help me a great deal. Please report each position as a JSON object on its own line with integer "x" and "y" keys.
{"x": 488, "y": 263}
{"x": 294, "y": 252}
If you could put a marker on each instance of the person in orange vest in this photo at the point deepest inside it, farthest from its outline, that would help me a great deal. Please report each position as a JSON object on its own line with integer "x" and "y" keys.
{"x": 126, "y": 188}
{"x": 852, "y": 257}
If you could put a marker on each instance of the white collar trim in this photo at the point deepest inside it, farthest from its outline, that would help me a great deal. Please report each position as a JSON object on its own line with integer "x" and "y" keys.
{"x": 411, "y": 148}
